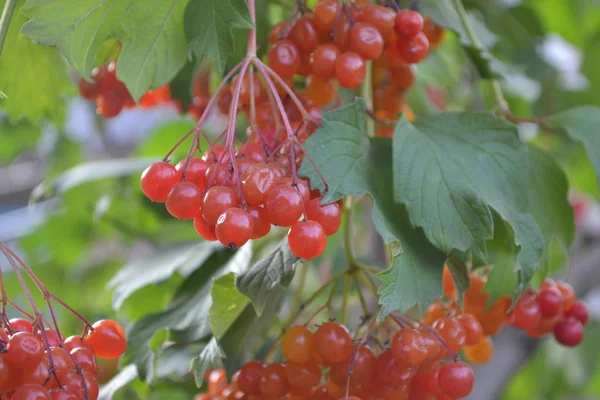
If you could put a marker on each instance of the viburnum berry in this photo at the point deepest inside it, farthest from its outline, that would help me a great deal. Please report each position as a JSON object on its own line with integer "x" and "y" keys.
{"x": 184, "y": 201}
{"x": 193, "y": 171}
{"x": 260, "y": 219}
{"x": 452, "y": 331}
{"x": 481, "y": 352}
{"x": 37, "y": 375}
{"x": 158, "y": 180}
{"x": 31, "y": 391}
{"x": 85, "y": 358}
{"x": 413, "y": 49}
{"x": 249, "y": 378}
{"x": 307, "y": 239}
{"x": 456, "y": 379}
{"x": 350, "y": 70}
{"x": 325, "y": 12}
{"x": 106, "y": 339}
{"x": 216, "y": 201}
{"x": 568, "y": 294}
{"x": 301, "y": 185}
{"x": 273, "y": 380}
{"x": 24, "y": 350}
{"x": 20, "y": 325}
{"x": 66, "y": 393}
{"x": 234, "y": 227}
{"x": 329, "y": 216}
{"x": 366, "y": 41}
{"x": 550, "y": 301}
{"x": 383, "y": 18}
{"x": 299, "y": 344}
{"x": 472, "y": 327}
{"x": 73, "y": 342}
{"x": 569, "y": 332}
{"x": 284, "y": 205}
{"x": 322, "y": 61}
{"x": 89, "y": 90}
{"x": 304, "y": 376}
{"x": 304, "y": 35}
{"x": 334, "y": 343}
{"x": 527, "y": 314}
{"x": 408, "y": 347}
{"x": 257, "y": 180}
{"x": 204, "y": 229}
{"x": 284, "y": 58}
{"x": 408, "y": 23}
{"x": 579, "y": 311}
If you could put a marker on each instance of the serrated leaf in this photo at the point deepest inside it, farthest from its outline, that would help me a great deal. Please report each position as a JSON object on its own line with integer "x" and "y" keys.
{"x": 151, "y": 32}
{"x": 503, "y": 278}
{"x": 208, "y": 25}
{"x": 582, "y": 124}
{"x": 159, "y": 266}
{"x": 33, "y": 79}
{"x": 355, "y": 165}
{"x": 453, "y": 169}
{"x": 119, "y": 381}
{"x": 228, "y": 304}
{"x": 209, "y": 357}
{"x": 276, "y": 269}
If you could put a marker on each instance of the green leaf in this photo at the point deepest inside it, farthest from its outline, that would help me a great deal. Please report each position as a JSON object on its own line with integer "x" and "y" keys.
{"x": 33, "y": 78}
{"x": 16, "y": 138}
{"x": 209, "y": 357}
{"x": 158, "y": 267}
{"x": 460, "y": 275}
{"x": 228, "y": 304}
{"x": 151, "y": 33}
{"x": 453, "y": 169}
{"x": 582, "y": 124}
{"x": 548, "y": 196}
{"x": 174, "y": 360}
{"x": 354, "y": 165}
{"x": 502, "y": 252}
{"x": 208, "y": 25}
{"x": 127, "y": 375}
{"x": 276, "y": 269}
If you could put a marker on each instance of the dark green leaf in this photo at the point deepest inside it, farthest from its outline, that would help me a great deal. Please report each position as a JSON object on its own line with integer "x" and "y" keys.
{"x": 150, "y": 31}
{"x": 122, "y": 379}
{"x": 453, "y": 169}
{"x": 502, "y": 253}
{"x": 355, "y": 165}
{"x": 210, "y": 357}
{"x": 33, "y": 79}
{"x": 276, "y": 269}
{"x": 582, "y": 124}
{"x": 159, "y": 266}
{"x": 208, "y": 25}
{"x": 174, "y": 360}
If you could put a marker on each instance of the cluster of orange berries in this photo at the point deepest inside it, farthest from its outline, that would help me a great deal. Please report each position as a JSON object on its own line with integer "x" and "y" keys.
{"x": 111, "y": 95}
{"x": 235, "y": 200}
{"x": 328, "y": 365}
{"x": 37, "y": 364}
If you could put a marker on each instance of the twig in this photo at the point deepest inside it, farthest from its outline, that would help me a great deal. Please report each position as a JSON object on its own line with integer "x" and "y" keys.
{"x": 9, "y": 8}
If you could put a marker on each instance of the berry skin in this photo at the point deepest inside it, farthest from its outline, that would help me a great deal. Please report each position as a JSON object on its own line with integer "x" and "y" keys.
{"x": 408, "y": 23}
{"x": 334, "y": 343}
{"x": 414, "y": 49}
{"x": 568, "y": 294}
{"x": 329, "y": 216}
{"x": 21, "y": 325}
{"x": 284, "y": 205}
{"x": 284, "y": 58}
{"x": 299, "y": 344}
{"x": 249, "y": 379}
{"x": 320, "y": 92}
{"x": 473, "y": 329}
{"x": 481, "y": 352}
{"x": 234, "y": 228}
{"x": 301, "y": 186}
{"x": 31, "y": 392}
{"x": 273, "y": 381}
{"x": 73, "y": 342}
{"x": 62, "y": 362}
{"x": 322, "y": 61}
{"x": 452, "y": 332}
{"x": 569, "y": 332}
{"x": 158, "y": 180}
{"x": 402, "y": 78}
{"x": 303, "y": 376}
{"x": 66, "y": 393}
{"x": 381, "y": 17}
{"x": 551, "y": 302}
{"x": 366, "y": 40}
{"x": 578, "y": 311}
{"x": 37, "y": 375}
{"x": 107, "y": 339}
{"x": 194, "y": 172}
{"x": 85, "y": 358}
{"x": 324, "y": 14}
{"x": 204, "y": 229}
{"x": 408, "y": 347}
{"x": 350, "y": 70}
{"x": 184, "y": 201}
{"x": 456, "y": 379}
{"x": 527, "y": 314}
{"x": 216, "y": 201}
{"x": 260, "y": 220}
{"x": 89, "y": 90}
{"x": 24, "y": 350}
{"x": 257, "y": 180}
{"x": 304, "y": 35}
{"x": 307, "y": 239}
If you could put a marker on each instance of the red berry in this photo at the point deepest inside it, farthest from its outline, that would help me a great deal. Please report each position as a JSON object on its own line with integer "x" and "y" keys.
{"x": 334, "y": 343}
{"x": 24, "y": 350}
{"x": 257, "y": 180}
{"x": 184, "y": 201}
{"x": 569, "y": 332}
{"x": 579, "y": 311}
{"x": 456, "y": 379}
{"x": 299, "y": 344}
{"x": 350, "y": 70}
{"x": 408, "y": 347}
{"x": 307, "y": 239}
{"x": 204, "y": 229}
{"x": 85, "y": 358}
{"x": 366, "y": 40}
{"x": 284, "y": 205}
{"x": 527, "y": 314}
{"x": 284, "y": 58}
{"x": 381, "y": 17}
{"x": 261, "y": 222}
{"x": 249, "y": 379}
{"x": 273, "y": 381}
{"x": 193, "y": 172}
{"x": 304, "y": 35}
{"x": 550, "y": 301}
{"x": 20, "y": 325}
{"x": 216, "y": 201}
{"x": 325, "y": 14}
{"x": 107, "y": 339}
{"x": 473, "y": 329}
{"x": 158, "y": 180}
{"x": 234, "y": 228}
{"x": 452, "y": 332}
{"x": 408, "y": 23}
{"x": 414, "y": 49}
{"x": 328, "y": 215}
{"x": 304, "y": 375}
{"x": 322, "y": 61}
{"x": 31, "y": 391}
{"x": 89, "y": 90}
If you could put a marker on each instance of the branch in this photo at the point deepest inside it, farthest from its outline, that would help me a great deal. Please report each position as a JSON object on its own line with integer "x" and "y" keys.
{"x": 7, "y": 13}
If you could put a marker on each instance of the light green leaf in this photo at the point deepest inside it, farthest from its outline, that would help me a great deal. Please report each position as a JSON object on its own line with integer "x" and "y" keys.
{"x": 33, "y": 79}
{"x": 208, "y": 25}
{"x": 228, "y": 304}
{"x": 583, "y": 125}
{"x": 355, "y": 165}
{"x": 150, "y": 31}
{"x": 209, "y": 357}
{"x": 503, "y": 278}
{"x": 276, "y": 269}
{"x": 460, "y": 275}
{"x": 453, "y": 169}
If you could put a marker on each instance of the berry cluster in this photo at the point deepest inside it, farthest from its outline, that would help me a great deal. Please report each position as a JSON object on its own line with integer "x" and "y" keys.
{"x": 236, "y": 200}
{"x": 554, "y": 309}
{"x": 328, "y": 365}
{"x": 111, "y": 95}
{"x": 38, "y": 364}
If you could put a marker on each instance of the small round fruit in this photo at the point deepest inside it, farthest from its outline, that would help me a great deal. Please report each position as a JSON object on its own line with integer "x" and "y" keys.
{"x": 284, "y": 205}
{"x": 299, "y": 344}
{"x": 414, "y": 49}
{"x": 273, "y": 381}
{"x": 408, "y": 23}
{"x": 334, "y": 343}
{"x": 481, "y": 352}
{"x": 204, "y": 229}
{"x": 473, "y": 329}
{"x": 184, "y": 201}
{"x": 408, "y": 347}
{"x": 579, "y": 311}
{"x": 257, "y": 180}
{"x": 304, "y": 35}
{"x": 328, "y": 215}
{"x": 322, "y": 61}
{"x": 569, "y": 332}
{"x": 456, "y": 379}
{"x": 260, "y": 220}
{"x": 31, "y": 391}
{"x": 216, "y": 201}
{"x": 193, "y": 172}
{"x": 350, "y": 70}
{"x": 249, "y": 378}
{"x": 383, "y": 18}
{"x": 550, "y": 301}
{"x": 307, "y": 239}
{"x": 366, "y": 40}
{"x": 284, "y": 58}
{"x": 325, "y": 13}
{"x": 158, "y": 180}
{"x": 24, "y": 350}
{"x": 107, "y": 339}
{"x": 234, "y": 228}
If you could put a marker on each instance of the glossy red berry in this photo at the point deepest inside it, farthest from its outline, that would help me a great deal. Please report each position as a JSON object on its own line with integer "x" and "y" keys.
{"x": 408, "y": 347}
{"x": 184, "y": 201}
{"x": 328, "y": 215}
{"x": 107, "y": 339}
{"x": 204, "y": 229}
{"x": 273, "y": 380}
{"x": 350, "y": 70}
{"x": 260, "y": 219}
{"x": 20, "y": 325}
{"x": 456, "y": 379}
{"x": 307, "y": 239}
{"x": 216, "y": 201}
{"x": 366, "y": 41}
{"x": 89, "y": 90}
{"x": 569, "y": 332}
{"x": 322, "y": 61}
{"x": 257, "y": 180}
{"x": 299, "y": 344}
{"x": 193, "y": 172}
{"x": 284, "y": 205}
{"x": 31, "y": 391}
{"x": 85, "y": 358}
{"x": 249, "y": 379}
{"x": 408, "y": 23}
{"x": 334, "y": 343}
{"x": 551, "y": 302}
{"x": 325, "y": 12}
{"x": 527, "y": 314}
{"x": 24, "y": 350}
{"x": 579, "y": 311}
{"x": 414, "y": 49}
{"x": 303, "y": 376}
{"x": 452, "y": 331}
{"x": 234, "y": 228}
{"x": 472, "y": 327}
{"x": 284, "y": 58}
{"x": 383, "y": 18}
{"x": 158, "y": 180}
{"x": 304, "y": 35}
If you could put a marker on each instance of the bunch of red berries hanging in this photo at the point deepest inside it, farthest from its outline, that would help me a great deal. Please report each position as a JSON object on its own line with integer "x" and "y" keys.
{"x": 36, "y": 361}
